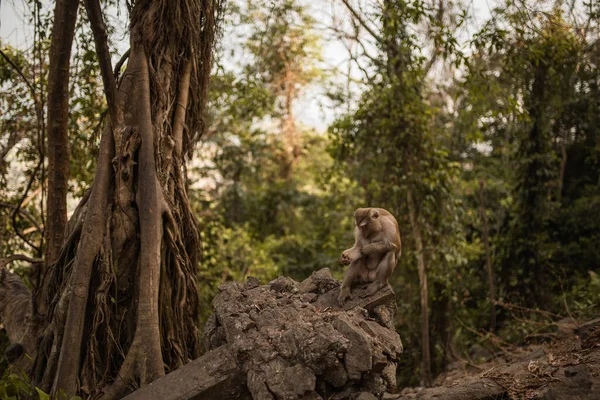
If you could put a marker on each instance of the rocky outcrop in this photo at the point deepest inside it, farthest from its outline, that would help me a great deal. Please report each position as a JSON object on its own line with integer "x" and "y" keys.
{"x": 290, "y": 340}
{"x": 293, "y": 341}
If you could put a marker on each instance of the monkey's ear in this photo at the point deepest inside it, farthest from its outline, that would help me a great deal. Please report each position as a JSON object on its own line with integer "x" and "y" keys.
{"x": 375, "y": 215}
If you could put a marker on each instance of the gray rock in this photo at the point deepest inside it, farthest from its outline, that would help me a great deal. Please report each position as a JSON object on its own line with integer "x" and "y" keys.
{"x": 319, "y": 281}
{"x": 366, "y": 396}
{"x": 283, "y": 284}
{"x": 293, "y": 342}
{"x": 359, "y": 357}
{"x": 292, "y": 382}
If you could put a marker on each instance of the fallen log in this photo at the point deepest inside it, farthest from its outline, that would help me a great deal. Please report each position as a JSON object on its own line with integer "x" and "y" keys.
{"x": 214, "y": 376}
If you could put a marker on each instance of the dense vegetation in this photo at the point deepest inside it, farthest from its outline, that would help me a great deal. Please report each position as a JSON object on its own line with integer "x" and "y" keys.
{"x": 481, "y": 134}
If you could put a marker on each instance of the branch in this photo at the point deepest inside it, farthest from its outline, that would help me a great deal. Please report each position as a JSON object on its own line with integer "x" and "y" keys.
{"x": 120, "y": 63}
{"x": 355, "y": 59}
{"x": 436, "y": 52}
{"x": 362, "y": 22}
{"x": 17, "y": 209}
{"x": 20, "y": 73}
{"x": 25, "y": 214}
{"x": 341, "y": 34}
{"x": 38, "y": 106}
{"x": 181, "y": 107}
{"x": 40, "y": 120}
{"x": 19, "y": 257}
{"x": 94, "y": 13}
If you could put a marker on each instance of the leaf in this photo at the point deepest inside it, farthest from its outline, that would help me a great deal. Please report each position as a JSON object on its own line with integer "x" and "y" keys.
{"x": 43, "y": 395}
{"x": 11, "y": 390}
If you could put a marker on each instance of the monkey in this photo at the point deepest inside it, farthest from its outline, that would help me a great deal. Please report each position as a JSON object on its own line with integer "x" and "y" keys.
{"x": 376, "y": 250}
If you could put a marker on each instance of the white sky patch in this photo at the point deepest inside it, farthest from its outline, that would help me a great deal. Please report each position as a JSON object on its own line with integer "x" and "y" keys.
{"x": 313, "y": 109}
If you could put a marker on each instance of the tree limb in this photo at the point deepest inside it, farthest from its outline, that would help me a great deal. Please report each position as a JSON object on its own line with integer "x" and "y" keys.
{"x": 181, "y": 107}
{"x": 362, "y": 22}
{"x": 19, "y": 257}
{"x": 63, "y": 31}
{"x": 25, "y": 214}
{"x": 120, "y": 63}
{"x": 436, "y": 52}
{"x": 98, "y": 26}
{"x": 20, "y": 73}
{"x": 17, "y": 209}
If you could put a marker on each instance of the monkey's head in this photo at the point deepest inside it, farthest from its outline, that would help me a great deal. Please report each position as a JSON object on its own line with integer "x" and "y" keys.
{"x": 367, "y": 220}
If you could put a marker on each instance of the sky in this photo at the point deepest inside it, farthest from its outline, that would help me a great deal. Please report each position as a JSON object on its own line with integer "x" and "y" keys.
{"x": 312, "y": 109}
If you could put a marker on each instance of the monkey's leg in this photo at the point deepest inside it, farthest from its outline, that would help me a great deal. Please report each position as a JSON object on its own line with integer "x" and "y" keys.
{"x": 384, "y": 270}
{"x": 351, "y": 274}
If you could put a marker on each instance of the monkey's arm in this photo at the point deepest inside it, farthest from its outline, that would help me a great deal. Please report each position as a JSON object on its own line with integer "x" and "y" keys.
{"x": 353, "y": 253}
{"x": 378, "y": 248}
{"x": 350, "y": 255}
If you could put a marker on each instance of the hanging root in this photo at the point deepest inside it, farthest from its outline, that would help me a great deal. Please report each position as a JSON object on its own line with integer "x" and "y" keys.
{"x": 144, "y": 357}
{"x": 128, "y": 338}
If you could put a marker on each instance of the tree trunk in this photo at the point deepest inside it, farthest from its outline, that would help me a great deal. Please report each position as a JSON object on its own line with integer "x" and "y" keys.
{"x": 488, "y": 259}
{"x": 63, "y": 30}
{"x": 291, "y": 142}
{"x": 563, "y": 166}
{"x": 122, "y": 301}
{"x": 423, "y": 290}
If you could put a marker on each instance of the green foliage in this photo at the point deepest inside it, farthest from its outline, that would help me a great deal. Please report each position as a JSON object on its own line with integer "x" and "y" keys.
{"x": 16, "y": 386}
{"x": 518, "y": 127}
{"x": 22, "y": 125}
{"x": 270, "y": 202}
{"x": 526, "y": 103}
{"x": 284, "y": 45}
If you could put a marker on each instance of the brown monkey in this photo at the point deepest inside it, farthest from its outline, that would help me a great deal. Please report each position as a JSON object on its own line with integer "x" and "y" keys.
{"x": 376, "y": 250}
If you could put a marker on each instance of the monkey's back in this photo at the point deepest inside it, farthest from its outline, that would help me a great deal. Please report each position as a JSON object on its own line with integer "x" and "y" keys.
{"x": 395, "y": 239}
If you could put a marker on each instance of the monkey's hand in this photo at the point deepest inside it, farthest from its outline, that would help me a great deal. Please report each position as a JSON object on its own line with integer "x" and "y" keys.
{"x": 349, "y": 256}
{"x": 344, "y": 294}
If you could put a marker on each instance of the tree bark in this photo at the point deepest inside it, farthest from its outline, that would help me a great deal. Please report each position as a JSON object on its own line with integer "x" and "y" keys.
{"x": 488, "y": 258}
{"x": 423, "y": 290}
{"x": 63, "y": 30}
{"x": 98, "y": 26}
{"x": 563, "y": 166}
{"x": 78, "y": 288}
{"x": 120, "y": 299}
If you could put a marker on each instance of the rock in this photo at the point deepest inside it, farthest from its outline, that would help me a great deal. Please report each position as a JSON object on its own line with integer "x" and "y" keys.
{"x": 311, "y": 396}
{"x": 214, "y": 376}
{"x": 288, "y": 341}
{"x": 283, "y": 284}
{"x": 385, "y": 316}
{"x": 251, "y": 283}
{"x": 384, "y": 297}
{"x": 589, "y": 333}
{"x": 359, "y": 357}
{"x": 588, "y": 328}
{"x": 292, "y": 341}
{"x": 575, "y": 383}
{"x": 374, "y": 383}
{"x": 257, "y": 386}
{"x": 214, "y": 334}
{"x": 292, "y": 383}
{"x": 336, "y": 375}
{"x": 318, "y": 282}
{"x": 471, "y": 388}
{"x": 389, "y": 340}
{"x": 366, "y": 396}
{"x": 389, "y": 374}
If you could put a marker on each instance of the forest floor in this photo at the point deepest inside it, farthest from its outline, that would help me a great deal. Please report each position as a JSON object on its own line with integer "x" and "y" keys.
{"x": 566, "y": 367}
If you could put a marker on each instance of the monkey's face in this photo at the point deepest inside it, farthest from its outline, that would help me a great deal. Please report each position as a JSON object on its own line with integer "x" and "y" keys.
{"x": 367, "y": 220}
